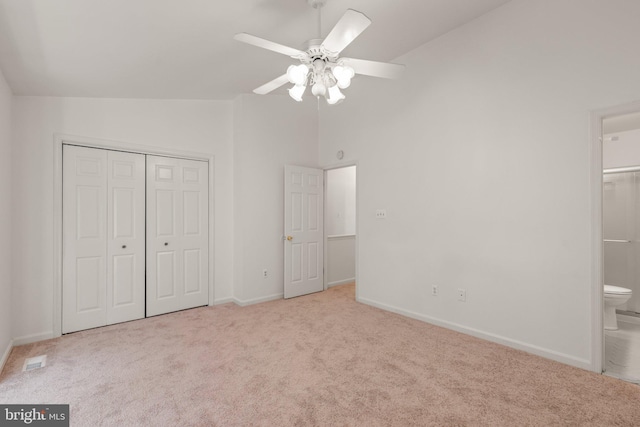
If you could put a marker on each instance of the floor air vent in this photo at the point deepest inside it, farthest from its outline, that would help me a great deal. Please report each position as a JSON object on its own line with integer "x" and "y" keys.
{"x": 32, "y": 363}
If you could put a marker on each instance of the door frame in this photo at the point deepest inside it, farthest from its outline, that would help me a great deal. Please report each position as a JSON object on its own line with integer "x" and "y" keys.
{"x": 597, "y": 258}
{"x": 325, "y": 267}
{"x": 63, "y": 139}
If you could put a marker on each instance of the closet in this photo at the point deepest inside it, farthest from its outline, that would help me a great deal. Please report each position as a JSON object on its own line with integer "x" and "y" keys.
{"x": 135, "y": 236}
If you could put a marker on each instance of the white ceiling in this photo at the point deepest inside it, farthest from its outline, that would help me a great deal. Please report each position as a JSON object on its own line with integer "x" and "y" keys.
{"x": 184, "y": 49}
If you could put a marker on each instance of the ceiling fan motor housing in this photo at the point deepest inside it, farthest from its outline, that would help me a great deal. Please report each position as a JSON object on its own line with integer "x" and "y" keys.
{"x": 318, "y": 60}
{"x": 315, "y": 51}
{"x": 313, "y": 48}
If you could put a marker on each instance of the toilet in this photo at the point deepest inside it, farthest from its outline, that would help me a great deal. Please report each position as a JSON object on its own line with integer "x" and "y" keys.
{"x": 613, "y": 297}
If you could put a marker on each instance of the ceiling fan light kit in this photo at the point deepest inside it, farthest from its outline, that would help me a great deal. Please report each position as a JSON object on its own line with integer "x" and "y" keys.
{"x": 297, "y": 91}
{"x": 321, "y": 66}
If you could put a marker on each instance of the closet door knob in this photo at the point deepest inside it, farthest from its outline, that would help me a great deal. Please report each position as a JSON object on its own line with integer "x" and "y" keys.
{"x": 166, "y": 243}
{"x": 124, "y": 246}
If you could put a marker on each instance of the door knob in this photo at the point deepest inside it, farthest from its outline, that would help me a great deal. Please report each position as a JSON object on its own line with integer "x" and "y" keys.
{"x": 166, "y": 243}
{"x": 124, "y": 246}
{"x": 289, "y": 237}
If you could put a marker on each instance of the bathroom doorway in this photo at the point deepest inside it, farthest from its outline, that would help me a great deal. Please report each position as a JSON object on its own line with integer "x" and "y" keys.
{"x": 621, "y": 245}
{"x": 340, "y": 226}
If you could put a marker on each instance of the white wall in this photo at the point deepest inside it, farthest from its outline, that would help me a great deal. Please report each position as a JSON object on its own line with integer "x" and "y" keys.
{"x": 340, "y": 208}
{"x": 480, "y": 155}
{"x": 5, "y": 218}
{"x": 269, "y": 132}
{"x": 623, "y": 152}
{"x": 340, "y": 223}
{"x": 196, "y": 126}
{"x": 341, "y": 260}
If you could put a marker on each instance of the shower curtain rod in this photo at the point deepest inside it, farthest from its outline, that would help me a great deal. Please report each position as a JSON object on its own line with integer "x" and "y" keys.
{"x": 621, "y": 170}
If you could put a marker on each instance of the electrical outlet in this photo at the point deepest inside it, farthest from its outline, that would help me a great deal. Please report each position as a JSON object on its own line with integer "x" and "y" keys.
{"x": 381, "y": 213}
{"x": 434, "y": 290}
{"x": 462, "y": 295}
{"x": 264, "y": 273}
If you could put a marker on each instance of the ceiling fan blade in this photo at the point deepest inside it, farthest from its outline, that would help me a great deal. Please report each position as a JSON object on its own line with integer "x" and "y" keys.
{"x": 266, "y": 44}
{"x": 385, "y": 70}
{"x": 272, "y": 85}
{"x": 350, "y": 26}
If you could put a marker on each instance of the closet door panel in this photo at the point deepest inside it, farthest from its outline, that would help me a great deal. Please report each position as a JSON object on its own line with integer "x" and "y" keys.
{"x": 177, "y": 234}
{"x": 165, "y": 276}
{"x": 124, "y": 279}
{"x": 195, "y": 216}
{"x": 90, "y": 284}
{"x": 192, "y": 278}
{"x": 84, "y": 204}
{"x": 163, "y": 235}
{"x": 126, "y": 243}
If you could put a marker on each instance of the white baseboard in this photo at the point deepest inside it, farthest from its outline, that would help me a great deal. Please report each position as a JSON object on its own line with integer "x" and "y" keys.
{"x": 28, "y": 339}
{"x": 223, "y": 301}
{"x": 252, "y": 301}
{"x": 5, "y": 355}
{"x": 341, "y": 282}
{"x": 518, "y": 345}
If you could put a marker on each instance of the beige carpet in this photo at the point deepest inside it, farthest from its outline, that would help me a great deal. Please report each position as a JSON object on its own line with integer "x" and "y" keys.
{"x": 320, "y": 360}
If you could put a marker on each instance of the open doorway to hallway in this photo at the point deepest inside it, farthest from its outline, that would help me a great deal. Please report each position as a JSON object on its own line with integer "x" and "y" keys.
{"x": 340, "y": 226}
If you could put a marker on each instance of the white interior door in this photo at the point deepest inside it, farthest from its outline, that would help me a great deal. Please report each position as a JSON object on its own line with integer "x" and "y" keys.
{"x": 126, "y": 239}
{"x": 84, "y": 293}
{"x": 177, "y": 234}
{"x": 104, "y": 245}
{"x": 303, "y": 228}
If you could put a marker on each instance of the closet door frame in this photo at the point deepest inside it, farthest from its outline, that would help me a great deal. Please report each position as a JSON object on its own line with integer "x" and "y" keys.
{"x": 63, "y": 139}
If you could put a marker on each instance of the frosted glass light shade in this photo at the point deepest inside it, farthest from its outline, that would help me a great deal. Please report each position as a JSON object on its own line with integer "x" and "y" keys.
{"x": 335, "y": 95}
{"x": 343, "y": 75}
{"x": 296, "y": 92}
{"x": 297, "y": 74}
{"x": 343, "y": 72}
{"x": 318, "y": 89}
{"x": 344, "y": 82}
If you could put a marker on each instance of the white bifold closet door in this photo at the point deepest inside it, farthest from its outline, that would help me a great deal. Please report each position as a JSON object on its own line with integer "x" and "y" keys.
{"x": 103, "y": 237}
{"x": 177, "y": 234}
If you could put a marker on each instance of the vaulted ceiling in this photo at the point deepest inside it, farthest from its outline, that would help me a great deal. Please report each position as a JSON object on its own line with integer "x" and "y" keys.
{"x": 184, "y": 49}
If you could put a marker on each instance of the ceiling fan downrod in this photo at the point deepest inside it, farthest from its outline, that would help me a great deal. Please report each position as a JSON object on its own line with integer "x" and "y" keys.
{"x": 318, "y": 4}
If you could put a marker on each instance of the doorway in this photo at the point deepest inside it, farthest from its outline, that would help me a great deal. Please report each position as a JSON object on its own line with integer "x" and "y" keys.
{"x": 621, "y": 245}
{"x": 340, "y": 225}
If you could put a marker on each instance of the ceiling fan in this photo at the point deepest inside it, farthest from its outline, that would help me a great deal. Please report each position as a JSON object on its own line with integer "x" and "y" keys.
{"x": 321, "y": 66}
